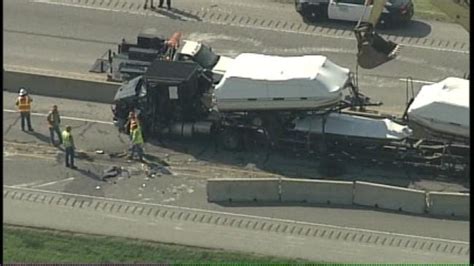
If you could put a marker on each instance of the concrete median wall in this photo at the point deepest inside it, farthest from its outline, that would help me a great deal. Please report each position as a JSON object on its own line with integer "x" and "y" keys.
{"x": 449, "y": 204}
{"x": 316, "y": 191}
{"x": 389, "y": 197}
{"x": 243, "y": 189}
{"x": 63, "y": 87}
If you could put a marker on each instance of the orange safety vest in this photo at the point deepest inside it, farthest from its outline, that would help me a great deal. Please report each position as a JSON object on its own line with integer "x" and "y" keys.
{"x": 24, "y": 103}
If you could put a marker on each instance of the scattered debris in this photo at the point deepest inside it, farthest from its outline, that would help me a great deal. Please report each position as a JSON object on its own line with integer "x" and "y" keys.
{"x": 153, "y": 158}
{"x": 153, "y": 170}
{"x": 112, "y": 171}
{"x": 118, "y": 154}
{"x": 97, "y": 187}
{"x": 143, "y": 185}
{"x": 84, "y": 156}
{"x": 168, "y": 200}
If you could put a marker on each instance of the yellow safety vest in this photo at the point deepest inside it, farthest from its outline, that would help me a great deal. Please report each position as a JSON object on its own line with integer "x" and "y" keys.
{"x": 137, "y": 137}
{"x": 24, "y": 103}
{"x": 67, "y": 139}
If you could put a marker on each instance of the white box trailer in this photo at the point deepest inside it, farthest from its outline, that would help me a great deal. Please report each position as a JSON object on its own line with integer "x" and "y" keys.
{"x": 442, "y": 107}
{"x": 266, "y": 82}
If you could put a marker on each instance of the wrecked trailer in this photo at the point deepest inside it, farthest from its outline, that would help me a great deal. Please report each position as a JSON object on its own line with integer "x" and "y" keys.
{"x": 179, "y": 99}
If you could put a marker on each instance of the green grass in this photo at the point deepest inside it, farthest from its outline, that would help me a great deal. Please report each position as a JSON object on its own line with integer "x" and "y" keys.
{"x": 458, "y": 13}
{"x": 28, "y": 245}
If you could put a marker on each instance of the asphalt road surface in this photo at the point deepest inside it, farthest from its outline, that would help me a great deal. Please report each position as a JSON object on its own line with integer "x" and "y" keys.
{"x": 30, "y": 162}
{"x": 67, "y": 35}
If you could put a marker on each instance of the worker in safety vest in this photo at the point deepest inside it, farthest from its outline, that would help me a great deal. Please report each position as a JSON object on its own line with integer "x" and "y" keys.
{"x": 24, "y": 107}
{"x": 132, "y": 121}
{"x": 54, "y": 120}
{"x": 137, "y": 142}
{"x": 69, "y": 147}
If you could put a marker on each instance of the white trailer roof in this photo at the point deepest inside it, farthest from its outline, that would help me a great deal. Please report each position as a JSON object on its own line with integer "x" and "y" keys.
{"x": 356, "y": 126}
{"x": 443, "y": 106}
{"x": 257, "y": 77}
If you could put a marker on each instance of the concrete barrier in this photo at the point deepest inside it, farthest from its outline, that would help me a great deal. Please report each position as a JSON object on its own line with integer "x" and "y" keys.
{"x": 316, "y": 191}
{"x": 243, "y": 189}
{"x": 449, "y": 204}
{"x": 389, "y": 197}
{"x": 63, "y": 87}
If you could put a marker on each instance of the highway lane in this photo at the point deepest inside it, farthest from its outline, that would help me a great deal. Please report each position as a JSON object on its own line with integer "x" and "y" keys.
{"x": 30, "y": 162}
{"x": 70, "y": 38}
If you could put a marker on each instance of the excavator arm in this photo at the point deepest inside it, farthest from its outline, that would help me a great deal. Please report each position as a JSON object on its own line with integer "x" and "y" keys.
{"x": 373, "y": 50}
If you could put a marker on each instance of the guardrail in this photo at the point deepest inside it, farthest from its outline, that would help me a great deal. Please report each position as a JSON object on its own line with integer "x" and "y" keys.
{"x": 288, "y": 190}
{"x": 55, "y": 84}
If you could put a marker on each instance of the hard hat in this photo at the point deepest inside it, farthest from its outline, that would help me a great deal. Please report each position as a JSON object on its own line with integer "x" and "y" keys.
{"x": 23, "y": 92}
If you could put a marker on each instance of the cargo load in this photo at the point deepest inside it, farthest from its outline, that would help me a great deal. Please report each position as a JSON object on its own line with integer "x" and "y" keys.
{"x": 266, "y": 82}
{"x": 442, "y": 108}
{"x": 354, "y": 126}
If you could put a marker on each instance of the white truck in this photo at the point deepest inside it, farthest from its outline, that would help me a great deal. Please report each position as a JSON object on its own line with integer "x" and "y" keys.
{"x": 395, "y": 12}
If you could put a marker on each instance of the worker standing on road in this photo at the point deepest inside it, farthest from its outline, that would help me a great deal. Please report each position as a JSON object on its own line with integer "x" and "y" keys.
{"x": 54, "y": 120}
{"x": 24, "y": 106}
{"x": 132, "y": 121}
{"x": 168, "y": 4}
{"x": 69, "y": 147}
{"x": 146, "y": 4}
{"x": 137, "y": 142}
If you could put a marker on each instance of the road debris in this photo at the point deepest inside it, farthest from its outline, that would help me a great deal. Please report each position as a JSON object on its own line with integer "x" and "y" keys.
{"x": 152, "y": 170}
{"x": 97, "y": 187}
{"x": 112, "y": 171}
{"x": 99, "y": 151}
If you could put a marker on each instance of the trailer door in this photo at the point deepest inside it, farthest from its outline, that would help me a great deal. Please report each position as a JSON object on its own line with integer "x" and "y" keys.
{"x": 348, "y": 10}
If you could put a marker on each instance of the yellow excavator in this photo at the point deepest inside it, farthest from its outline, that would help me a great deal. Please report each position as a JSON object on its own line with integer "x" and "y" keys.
{"x": 373, "y": 50}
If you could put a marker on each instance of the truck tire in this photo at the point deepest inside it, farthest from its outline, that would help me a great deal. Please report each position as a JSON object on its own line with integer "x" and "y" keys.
{"x": 312, "y": 13}
{"x": 231, "y": 139}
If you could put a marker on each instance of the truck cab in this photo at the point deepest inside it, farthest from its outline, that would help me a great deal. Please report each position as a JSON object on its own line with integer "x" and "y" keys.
{"x": 394, "y": 13}
{"x": 204, "y": 56}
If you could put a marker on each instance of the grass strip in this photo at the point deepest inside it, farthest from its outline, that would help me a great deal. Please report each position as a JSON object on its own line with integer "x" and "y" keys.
{"x": 32, "y": 245}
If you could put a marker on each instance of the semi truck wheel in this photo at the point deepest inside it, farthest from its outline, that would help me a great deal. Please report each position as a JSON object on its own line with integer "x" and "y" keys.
{"x": 231, "y": 139}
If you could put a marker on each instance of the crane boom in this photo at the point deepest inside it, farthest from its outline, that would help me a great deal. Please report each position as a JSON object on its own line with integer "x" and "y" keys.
{"x": 377, "y": 9}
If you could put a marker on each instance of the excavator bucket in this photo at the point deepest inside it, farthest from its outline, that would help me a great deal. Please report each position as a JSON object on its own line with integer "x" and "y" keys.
{"x": 373, "y": 50}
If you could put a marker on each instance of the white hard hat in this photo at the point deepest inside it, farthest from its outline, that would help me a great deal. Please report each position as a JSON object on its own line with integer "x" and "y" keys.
{"x": 23, "y": 92}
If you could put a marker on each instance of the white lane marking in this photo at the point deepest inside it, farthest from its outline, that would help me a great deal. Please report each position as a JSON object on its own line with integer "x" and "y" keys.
{"x": 248, "y": 26}
{"x": 242, "y": 215}
{"x": 66, "y": 117}
{"x": 27, "y": 184}
{"x": 417, "y": 81}
{"x": 120, "y": 217}
{"x": 54, "y": 182}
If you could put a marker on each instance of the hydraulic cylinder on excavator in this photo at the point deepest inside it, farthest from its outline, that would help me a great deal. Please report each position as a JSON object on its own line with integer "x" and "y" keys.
{"x": 373, "y": 50}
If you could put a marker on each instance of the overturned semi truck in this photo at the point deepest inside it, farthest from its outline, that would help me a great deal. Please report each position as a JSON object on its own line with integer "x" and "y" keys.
{"x": 276, "y": 102}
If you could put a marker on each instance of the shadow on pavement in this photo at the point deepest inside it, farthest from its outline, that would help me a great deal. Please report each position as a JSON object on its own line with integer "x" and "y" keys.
{"x": 176, "y": 14}
{"x": 39, "y": 136}
{"x": 414, "y": 28}
{"x": 299, "y": 165}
